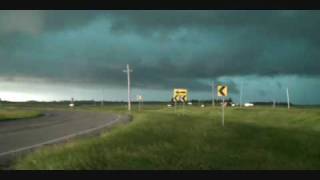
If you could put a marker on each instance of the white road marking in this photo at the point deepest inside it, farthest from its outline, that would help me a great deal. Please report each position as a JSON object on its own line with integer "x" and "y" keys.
{"x": 59, "y": 139}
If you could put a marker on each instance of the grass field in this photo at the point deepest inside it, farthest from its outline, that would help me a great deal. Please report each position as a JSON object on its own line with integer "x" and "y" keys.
{"x": 8, "y": 114}
{"x": 159, "y": 138}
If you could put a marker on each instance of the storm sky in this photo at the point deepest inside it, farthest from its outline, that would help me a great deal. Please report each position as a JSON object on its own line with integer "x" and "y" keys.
{"x": 56, "y": 55}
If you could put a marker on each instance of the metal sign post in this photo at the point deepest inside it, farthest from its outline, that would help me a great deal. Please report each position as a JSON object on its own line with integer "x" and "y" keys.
{"x": 223, "y": 111}
{"x": 183, "y": 108}
{"x": 222, "y": 91}
{"x": 180, "y": 95}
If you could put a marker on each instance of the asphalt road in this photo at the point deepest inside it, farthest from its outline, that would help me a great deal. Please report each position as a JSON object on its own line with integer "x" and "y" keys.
{"x": 20, "y": 136}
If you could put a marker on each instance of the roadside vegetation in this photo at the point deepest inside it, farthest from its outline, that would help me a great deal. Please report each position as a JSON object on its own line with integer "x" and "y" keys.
{"x": 8, "y": 114}
{"x": 158, "y": 138}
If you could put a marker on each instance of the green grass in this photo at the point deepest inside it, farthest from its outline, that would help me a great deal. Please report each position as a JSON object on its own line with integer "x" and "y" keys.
{"x": 8, "y": 114}
{"x": 158, "y": 138}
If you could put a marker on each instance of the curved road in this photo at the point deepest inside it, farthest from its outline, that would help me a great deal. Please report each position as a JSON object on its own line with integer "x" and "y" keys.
{"x": 22, "y": 135}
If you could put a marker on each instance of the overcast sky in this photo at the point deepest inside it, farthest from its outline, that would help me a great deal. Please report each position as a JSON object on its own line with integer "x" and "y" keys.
{"x": 55, "y": 55}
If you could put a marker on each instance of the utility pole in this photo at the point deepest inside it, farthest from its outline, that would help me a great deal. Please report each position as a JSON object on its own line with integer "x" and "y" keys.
{"x": 140, "y": 101}
{"x": 274, "y": 103}
{"x": 212, "y": 93}
{"x": 241, "y": 89}
{"x": 128, "y": 71}
{"x": 288, "y": 98}
{"x": 71, "y": 102}
{"x": 102, "y": 101}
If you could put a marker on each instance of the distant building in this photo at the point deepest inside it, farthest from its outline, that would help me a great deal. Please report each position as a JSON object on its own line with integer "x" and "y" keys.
{"x": 248, "y": 104}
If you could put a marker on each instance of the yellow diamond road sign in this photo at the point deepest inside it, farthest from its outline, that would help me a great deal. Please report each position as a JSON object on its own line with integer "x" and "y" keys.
{"x": 222, "y": 90}
{"x": 180, "y": 95}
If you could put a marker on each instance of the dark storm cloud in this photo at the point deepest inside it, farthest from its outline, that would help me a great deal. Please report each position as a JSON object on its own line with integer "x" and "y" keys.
{"x": 290, "y": 38}
{"x": 165, "y": 48}
{"x": 61, "y": 20}
{"x": 281, "y": 23}
{"x": 43, "y": 21}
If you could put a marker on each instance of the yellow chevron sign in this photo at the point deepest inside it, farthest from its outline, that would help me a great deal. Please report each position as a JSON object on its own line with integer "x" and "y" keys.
{"x": 222, "y": 90}
{"x": 180, "y": 95}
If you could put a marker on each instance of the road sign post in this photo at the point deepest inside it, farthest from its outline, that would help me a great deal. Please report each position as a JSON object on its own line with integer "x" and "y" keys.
{"x": 183, "y": 108}
{"x": 222, "y": 111}
{"x": 222, "y": 92}
{"x": 180, "y": 95}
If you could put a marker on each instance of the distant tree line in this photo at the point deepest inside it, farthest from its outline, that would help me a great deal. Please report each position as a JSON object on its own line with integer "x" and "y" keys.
{"x": 95, "y": 102}
{"x": 76, "y": 102}
{"x": 271, "y": 103}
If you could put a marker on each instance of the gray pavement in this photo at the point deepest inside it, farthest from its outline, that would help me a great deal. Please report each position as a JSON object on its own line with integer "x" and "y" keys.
{"x": 20, "y": 136}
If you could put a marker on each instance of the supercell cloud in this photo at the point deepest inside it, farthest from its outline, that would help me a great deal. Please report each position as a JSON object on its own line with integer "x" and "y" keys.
{"x": 166, "y": 49}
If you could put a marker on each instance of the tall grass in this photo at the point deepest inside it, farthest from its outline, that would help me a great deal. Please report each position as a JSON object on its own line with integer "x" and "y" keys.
{"x": 7, "y": 114}
{"x": 252, "y": 138}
